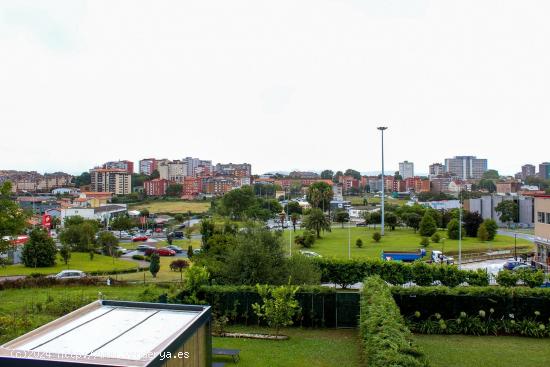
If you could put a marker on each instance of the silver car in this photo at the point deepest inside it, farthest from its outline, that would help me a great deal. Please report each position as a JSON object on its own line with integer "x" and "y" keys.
{"x": 70, "y": 274}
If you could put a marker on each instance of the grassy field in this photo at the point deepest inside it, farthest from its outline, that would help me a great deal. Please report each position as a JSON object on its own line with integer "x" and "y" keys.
{"x": 179, "y": 206}
{"x": 164, "y": 274}
{"x": 358, "y": 200}
{"x": 502, "y": 351}
{"x": 305, "y": 347}
{"x": 335, "y": 243}
{"x": 78, "y": 261}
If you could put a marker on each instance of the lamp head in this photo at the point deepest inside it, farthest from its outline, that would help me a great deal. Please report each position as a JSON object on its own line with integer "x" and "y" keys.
{"x": 382, "y": 128}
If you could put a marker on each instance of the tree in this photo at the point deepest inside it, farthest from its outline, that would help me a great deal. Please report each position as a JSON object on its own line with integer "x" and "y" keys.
{"x": 188, "y": 233}
{"x": 236, "y": 203}
{"x": 144, "y": 213}
{"x": 359, "y": 243}
{"x": 472, "y": 221}
{"x": 108, "y": 242}
{"x": 279, "y": 305}
{"x": 319, "y": 195}
{"x": 341, "y": 216}
{"x": 294, "y": 217}
{"x": 488, "y": 185}
{"x": 179, "y": 265}
{"x": 174, "y": 190}
{"x": 122, "y": 223}
{"x": 491, "y": 227}
{"x": 436, "y": 237}
{"x": 306, "y": 240}
{"x": 13, "y": 220}
{"x": 317, "y": 221}
{"x": 427, "y": 225}
{"x": 483, "y": 233}
{"x": 154, "y": 174}
{"x": 293, "y": 207}
{"x": 353, "y": 173}
{"x": 79, "y": 234}
{"x": 154, "y": 264}
{"x": 303, "y": 271}
{"x": 508, "y": 211}
{"x": 207, "y": 228}
{"x": 491, "y": 174}
{"x": 337, "y": 176}
{"x": 65, "y": 253}
{"x": 83, "y": 179}
{"x": 390, "y": 219}
{"x": 179, "y": 218}
{"x": 190, "y": 251}
{"x": 376, "y": 236}
{"x": 327, "y": 174}
{"x": 425, "y": 242}
{"x": 40, "y": 250}
{"x": 412, "y": 220}
{"x": 453, "y": 230}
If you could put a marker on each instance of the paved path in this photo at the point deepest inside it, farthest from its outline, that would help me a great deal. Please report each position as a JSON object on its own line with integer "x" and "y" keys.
{"x": 525, "y": 236}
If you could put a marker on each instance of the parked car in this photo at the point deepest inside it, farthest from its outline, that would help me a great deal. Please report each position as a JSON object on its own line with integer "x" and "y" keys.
{"x": 70, "y": 274}
{"x": 523, "y": 267}
{"x": 160, "y": 251}
{"x": 120, "y": 249}
{"x": 177, "y": 234}
{"x": 144, "y": 247}
{"x": 361, "y": 224}
{"x": 175, "y": 248}
{"x": 197, "y": 251}
{"x": 511, "y": 264}
{"x": 309, "y": 253}
{"x": 158, "y": 230}
{"x": 139, "y": 238}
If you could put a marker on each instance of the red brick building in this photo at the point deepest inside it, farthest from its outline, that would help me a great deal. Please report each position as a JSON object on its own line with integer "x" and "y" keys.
{"x": 156, "y": 187}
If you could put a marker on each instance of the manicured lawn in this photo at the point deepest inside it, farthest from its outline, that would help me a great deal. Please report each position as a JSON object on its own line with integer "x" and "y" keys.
{"x": 78, "y": 261}
{"x": 501, "y": 351}
{"x": 164, "y": 274}
{"x": 335, "y": 243}
{"x": 306, "y": 347}
{"x": 176, "y": 206}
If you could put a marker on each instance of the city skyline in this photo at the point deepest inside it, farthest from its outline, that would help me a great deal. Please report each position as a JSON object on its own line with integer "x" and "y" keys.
{"x": 89, "y": 82}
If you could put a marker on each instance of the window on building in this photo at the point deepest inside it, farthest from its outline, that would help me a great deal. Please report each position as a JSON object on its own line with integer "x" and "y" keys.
{"x": 540, "y": 217}
{"x": 547, "y": 218}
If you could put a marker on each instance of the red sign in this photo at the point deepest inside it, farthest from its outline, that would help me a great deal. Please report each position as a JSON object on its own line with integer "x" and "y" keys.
{"x": 47, "y": 221}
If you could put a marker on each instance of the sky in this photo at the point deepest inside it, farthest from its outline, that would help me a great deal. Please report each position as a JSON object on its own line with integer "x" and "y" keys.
{"x": 282, "y": 85}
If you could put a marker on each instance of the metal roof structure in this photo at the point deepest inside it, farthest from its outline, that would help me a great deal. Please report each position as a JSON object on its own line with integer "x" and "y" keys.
{"x": 109, "y": 333}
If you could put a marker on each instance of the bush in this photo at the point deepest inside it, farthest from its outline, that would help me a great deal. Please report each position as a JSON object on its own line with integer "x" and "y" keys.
{"x": 424, "y": 242}
{"x": 39, "y": 251}
{"x": 303, "y": 270}
{"x": 154, "y": 266}
{"x": 279, "y": 305}
{"x": 428, "y": 226}
{"x": 531, "y": 278}
{"x": 376, "y": 236}
{"x": 359, "y": 243}
{"x": 138, "y": 257}
{"x": 436, "y": 237}
{"x": 507, "y": 278}
{"x": 483, "y": 233}
{"x": 491, "y": 227}
{"x": 453, "y": 230}
{"x": 386, "y": 340}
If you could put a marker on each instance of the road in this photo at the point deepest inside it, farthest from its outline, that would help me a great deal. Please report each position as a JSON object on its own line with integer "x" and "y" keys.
{"x": 525, "y": 236}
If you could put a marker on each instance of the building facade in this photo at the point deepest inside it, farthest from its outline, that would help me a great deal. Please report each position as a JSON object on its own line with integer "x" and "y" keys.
{"x": 466, "y": 167}
{"x": 528, "y": 170}
{"x": 127, "y": 166}
{"x": 173, "y": 171}
{"x": 486, "y": 207}
{"x": 117, "y": 181}
{"x": 232, "y": 169}
{"x": 437, "y": 169}
{"x": 542, "y": 231}
{"x": 156, "y": 187}
{"x": 544, "y": 170}
{"x": 406, "y": 169}
{"x": 147, "y": 166}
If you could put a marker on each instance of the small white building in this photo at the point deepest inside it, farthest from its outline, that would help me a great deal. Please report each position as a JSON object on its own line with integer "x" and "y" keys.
{"x": 103, "y": 213}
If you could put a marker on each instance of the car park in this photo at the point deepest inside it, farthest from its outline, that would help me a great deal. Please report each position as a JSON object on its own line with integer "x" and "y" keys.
{"x": 511, "y": 264}
{"x": 175, "y": 248}
{"x": 143, "y": 248}
{"x": 70, "y": 274}
{"x": 122, "y": 250}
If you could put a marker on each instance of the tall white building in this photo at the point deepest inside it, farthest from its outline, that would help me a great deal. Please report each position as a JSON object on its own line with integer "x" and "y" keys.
{"x": 406, "y": 169}
{"x": 173, "y": 170}
{"x": 466, "y": 167}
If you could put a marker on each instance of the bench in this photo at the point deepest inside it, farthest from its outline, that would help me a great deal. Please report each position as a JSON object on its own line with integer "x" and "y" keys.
{"x": 233, "y": 353}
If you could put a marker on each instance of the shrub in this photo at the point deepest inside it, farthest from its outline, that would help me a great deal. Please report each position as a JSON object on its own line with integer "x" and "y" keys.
{"x": 154, "y": 266}
{"x": 424, "y": 242}
{"x": 303, "y": 270}
{"x": 436, "y": 237}
{"x": 138, "y": 257}
{"x": 39, "y": 251}
{"x": 359, "y": 243}
{"x": 190, "y": 252}
{"x": 531, "y": 278}
{"x": 376, "y": 236}
{"x": 453, "y": 230}
{"x": 507, "y": 278}
{"x": 385, "y": 338}
{"x": 279, "y": 305}
{"x": 491, "y": 227}
{"x": 483, "y": 233}
{"x": 428, "y": 226}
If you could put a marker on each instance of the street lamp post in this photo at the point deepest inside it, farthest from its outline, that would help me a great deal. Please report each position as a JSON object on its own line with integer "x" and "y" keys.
{"x": 349, "y": 237}
{"x": 460, "y": 229}
{"x": 382, "y": 128}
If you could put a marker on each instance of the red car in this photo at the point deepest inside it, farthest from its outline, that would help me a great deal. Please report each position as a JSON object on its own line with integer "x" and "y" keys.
{"x": 160, "y": 251}
{"x": 140, "y": 239}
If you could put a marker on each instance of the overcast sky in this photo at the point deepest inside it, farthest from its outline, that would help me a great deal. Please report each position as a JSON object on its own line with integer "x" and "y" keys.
{"x": 282, "y": 85}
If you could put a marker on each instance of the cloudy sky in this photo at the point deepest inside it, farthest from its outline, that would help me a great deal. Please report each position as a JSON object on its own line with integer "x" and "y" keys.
{"x": 280, "y": 84}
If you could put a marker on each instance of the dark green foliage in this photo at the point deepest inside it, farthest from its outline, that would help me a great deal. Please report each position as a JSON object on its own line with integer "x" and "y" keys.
{"x": 530, "y": 278}
{"x": 436, "y": 237}
{"x": 390, "y": 220}
{"x": 179, "y": 265}
{"x": 425, "y": 242}
{"x": 482, "y": 233}
{"x": 327, "y": 174}
{"x": 427, "y": 225}
{"x": 317, "y": 221}
{"x": 174, "y": 190}
{"x": 412, "y": 220}
{"x": 341, "y": 216}
{"x": 190, "y": 251}
{"x": 108, "y": 242}
{"x": 138, "y": 257}
{"x": 472, "y": 221}
{"x": 508, "y": 211}
{"x": 359, "y": 243}
{"x": 65, "y": 253}
{"x": 39, "y": 251}
{"x": 385, "y": 338}
{"x": 376, "y": 236}
{"x": 154, "y": 265}
{"x": 293, "y": 207}
{"x": 303, "y": 271}
{"x": 306, "y": 240}
{"x": 12, "y": 219}
{"x": 319, "y": 195}
{"x": 453, "y": 230}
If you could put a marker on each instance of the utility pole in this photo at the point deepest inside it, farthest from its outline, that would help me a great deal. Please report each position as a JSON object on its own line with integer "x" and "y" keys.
{"x": 382, "y": 128}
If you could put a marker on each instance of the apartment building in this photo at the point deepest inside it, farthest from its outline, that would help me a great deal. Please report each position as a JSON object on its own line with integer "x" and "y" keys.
{"x": 417, "y": 184}
{"x": 173, "y": 171}
{"x": 192, "y": 164}
{"x": 542, "y": 231}
{"x": 544, "y": 170}
{"x": 486, "y": 207}
{"x": 147, "y": 166}
{"x": 406, "y": 169}
{"x": 156, "y": 187}
{"x": 127, "y": 166}
{"x": 466, "y": 167}
{"x": 437, "y": 169}
{"x": 33, "y": 181}
{"x": 528, "y": 170}
{"x": 232, "y": 169}
{"x": 117, "y": 181}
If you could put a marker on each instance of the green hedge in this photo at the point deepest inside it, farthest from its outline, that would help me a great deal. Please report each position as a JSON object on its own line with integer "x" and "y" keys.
{"x": 386, "y": 340}
{"x": 347, "y": 272}
{"x": 521, "y": 302}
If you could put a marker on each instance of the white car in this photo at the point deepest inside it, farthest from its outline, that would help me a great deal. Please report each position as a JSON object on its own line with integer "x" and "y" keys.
{"x": 309, "y": 253}
{"x": 70, "y": 274}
